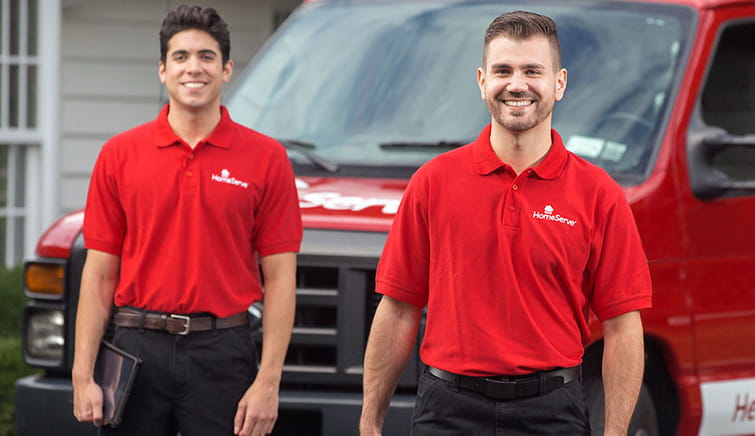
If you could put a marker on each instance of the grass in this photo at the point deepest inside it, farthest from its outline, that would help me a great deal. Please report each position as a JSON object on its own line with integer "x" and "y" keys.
{"x": 12, "y": 364}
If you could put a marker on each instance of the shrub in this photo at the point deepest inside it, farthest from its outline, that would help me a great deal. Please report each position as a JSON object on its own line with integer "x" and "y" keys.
{"x": 12, "y": 365}
{"x": 12, "y": 298}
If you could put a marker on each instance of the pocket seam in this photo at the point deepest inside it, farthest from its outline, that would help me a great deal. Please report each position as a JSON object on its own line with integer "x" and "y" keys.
{"x": 434, "y": 384}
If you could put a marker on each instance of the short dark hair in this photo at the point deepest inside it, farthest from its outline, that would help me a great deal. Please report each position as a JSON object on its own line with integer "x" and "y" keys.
{"x": 186, "y": 17}
{"x": 521, "y": 25}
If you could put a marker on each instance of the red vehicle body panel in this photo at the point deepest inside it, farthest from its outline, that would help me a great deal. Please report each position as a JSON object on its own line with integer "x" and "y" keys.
{"x": 58, "y": 239}
{"x": 349, "y": 203}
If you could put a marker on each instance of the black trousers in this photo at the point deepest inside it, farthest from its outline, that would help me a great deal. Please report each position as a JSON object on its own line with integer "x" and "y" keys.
{"x": 442, "y": 410}
{"x": 189, "y": 384}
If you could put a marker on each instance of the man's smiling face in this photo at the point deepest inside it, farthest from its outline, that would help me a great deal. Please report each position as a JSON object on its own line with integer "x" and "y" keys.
{"x": 520, "y": 82}
{"x": 193, "y": 71}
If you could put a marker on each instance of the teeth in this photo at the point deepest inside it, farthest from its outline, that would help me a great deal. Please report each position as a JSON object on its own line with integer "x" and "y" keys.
{"x": 517, "y": 103}
{"x": 193, "y": 85}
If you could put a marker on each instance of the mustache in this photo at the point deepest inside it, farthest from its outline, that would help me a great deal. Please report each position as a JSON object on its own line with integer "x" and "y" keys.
{"x": 516, "y": 95}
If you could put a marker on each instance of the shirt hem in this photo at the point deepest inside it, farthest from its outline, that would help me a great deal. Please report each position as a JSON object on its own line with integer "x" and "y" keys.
{"x": 638, "y": 303}
{"x": 107, "y": 247}
{"x": 403, "y": 295}
{"x": 283, "y": 247}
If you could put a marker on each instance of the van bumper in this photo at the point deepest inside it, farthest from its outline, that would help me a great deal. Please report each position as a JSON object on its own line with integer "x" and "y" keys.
{"x": 44, "y": 405}
{"x": 321, "y": 413}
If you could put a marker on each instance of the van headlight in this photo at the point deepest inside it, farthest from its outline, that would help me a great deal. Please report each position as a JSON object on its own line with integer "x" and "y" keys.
{"x": 45, "y": 336}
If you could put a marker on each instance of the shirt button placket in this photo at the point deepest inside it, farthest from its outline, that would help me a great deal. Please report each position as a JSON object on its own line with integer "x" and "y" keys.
{"x": 190, "y": 179}
{"x": 513, "y": 217}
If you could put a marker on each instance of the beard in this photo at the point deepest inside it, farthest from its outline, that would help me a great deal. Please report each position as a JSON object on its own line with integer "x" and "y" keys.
{"x": 519, "y": 120}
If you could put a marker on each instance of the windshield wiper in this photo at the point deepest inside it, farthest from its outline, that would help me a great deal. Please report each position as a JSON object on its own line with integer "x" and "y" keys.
{"x": 305, "y": 149}
{"x": 420, "y": 144}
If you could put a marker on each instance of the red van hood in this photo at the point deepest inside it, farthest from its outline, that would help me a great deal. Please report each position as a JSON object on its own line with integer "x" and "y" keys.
{"x": 363, "y": 204}
{"x": 358, "y": 204}
{"x": 349, "y": 203}
{"x": 326, "y": 203}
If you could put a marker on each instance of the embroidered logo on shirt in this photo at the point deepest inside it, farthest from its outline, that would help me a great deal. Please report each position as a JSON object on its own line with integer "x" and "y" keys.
{"x": 225, "y": 177}
{"x": 547, "y": 215}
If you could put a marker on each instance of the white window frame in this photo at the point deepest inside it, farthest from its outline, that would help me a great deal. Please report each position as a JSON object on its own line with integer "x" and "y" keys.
{"x": 39, "y": 142}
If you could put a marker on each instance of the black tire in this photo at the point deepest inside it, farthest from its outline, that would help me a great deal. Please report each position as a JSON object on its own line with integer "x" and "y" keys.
{"x": 644, "y": 421}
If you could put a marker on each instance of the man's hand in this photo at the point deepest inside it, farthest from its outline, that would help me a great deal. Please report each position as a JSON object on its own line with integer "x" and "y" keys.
{"x": 87, "y": 402}
{"x": 257, "y": 410}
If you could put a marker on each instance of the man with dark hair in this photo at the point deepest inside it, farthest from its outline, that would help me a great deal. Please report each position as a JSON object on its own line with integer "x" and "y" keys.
{"x": 178, "y": 212}
{"x": 509, "y": 242}
{"x": 194, "y": 17}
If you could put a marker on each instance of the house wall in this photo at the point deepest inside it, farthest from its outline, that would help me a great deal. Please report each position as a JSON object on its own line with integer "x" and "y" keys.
{"x": 109, "y": 83}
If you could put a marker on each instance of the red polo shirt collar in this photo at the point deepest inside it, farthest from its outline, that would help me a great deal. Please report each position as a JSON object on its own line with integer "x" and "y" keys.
{"x": 487, "y": 161}
{"x": 221, "y": 136}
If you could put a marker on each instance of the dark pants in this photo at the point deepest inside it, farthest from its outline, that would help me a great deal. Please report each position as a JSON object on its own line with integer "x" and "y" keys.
{"x": 442, "y": 410}
{"x": 189, "y": 384}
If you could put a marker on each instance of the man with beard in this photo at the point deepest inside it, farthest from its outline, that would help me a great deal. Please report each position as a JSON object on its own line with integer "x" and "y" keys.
{"x": 509, "y": 242}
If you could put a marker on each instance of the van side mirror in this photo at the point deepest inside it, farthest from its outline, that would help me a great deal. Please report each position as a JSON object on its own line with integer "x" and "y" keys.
{"x": 705, "y": 144}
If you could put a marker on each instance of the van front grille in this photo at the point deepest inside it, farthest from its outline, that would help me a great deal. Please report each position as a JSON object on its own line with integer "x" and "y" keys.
{"x": 335, "y": 303}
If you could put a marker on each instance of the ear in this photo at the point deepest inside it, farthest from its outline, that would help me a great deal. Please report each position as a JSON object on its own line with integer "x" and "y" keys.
{"x": 161, "y": 71}
{"x": 560, "y": 83}
{"x": 481, "y": 82}
{"x": 227, "y": 70}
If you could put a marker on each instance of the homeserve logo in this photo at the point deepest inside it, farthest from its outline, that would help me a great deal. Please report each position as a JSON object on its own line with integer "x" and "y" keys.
{"x": 547, "y": 215}
{"x": 336, "y": 201}
{"x": 225, "y": 177}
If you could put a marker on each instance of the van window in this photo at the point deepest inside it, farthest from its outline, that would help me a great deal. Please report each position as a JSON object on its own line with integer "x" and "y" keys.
{"x": 388, "y": 84}
{"x": 728, "y": 99}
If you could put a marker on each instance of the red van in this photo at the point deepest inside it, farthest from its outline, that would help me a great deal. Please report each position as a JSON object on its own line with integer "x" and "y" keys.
{"x": 661, "y": 94}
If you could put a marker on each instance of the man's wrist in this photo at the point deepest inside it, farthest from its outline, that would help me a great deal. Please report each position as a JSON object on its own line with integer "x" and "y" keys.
{"x": 272, "y": 378}
{"x": 82, "y": 377}
{"x": 613, "y": 432}
{"x": 369, "y": 427}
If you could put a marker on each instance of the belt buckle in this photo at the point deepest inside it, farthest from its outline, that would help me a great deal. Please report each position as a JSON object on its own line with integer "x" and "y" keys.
{"x": 500, "y": 390}
{"x": 187, "y": 326}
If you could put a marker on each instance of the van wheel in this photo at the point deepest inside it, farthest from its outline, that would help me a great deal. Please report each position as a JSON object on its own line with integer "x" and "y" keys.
{"x": 644, "y": 421}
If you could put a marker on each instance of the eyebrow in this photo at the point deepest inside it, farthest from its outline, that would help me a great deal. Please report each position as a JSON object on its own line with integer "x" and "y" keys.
{"x": 201, "y": 52}
{"x": 524, "y": 67}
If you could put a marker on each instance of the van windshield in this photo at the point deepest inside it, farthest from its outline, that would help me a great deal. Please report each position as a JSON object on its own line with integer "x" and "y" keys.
{"x": 392, "y": 84}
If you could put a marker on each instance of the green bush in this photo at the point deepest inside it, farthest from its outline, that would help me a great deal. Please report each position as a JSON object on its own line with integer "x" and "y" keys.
{"x": 12, "y": 298}
{"x": 12, "y": 365}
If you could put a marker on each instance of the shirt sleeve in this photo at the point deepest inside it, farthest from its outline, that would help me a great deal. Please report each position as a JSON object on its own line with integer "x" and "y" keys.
{"x": 278, "y": 226}
{"x": 619, "y": 272}
{"x": 403, "y": 270}
{"x": 104, "y": 218}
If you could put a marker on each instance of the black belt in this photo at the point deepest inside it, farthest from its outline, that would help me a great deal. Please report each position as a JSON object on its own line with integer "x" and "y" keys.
{"x": 174, "y": 323}
{"x": 511, "y": 387}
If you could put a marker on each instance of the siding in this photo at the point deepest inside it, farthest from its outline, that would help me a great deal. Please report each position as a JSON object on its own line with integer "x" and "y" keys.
{"x": 109, "y": 83}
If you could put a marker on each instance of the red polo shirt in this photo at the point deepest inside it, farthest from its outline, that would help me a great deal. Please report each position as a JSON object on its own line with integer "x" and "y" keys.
{"x": 189, "y": 224}
{"x": 509, "y": 265}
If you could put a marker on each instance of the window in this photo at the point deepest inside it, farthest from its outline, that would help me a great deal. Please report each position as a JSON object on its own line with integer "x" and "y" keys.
{"x": 406, "y": 82}
{"x": 728, "y": 100}
{"x": 12, "y": 200}
{"x": 18, "y": 120}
